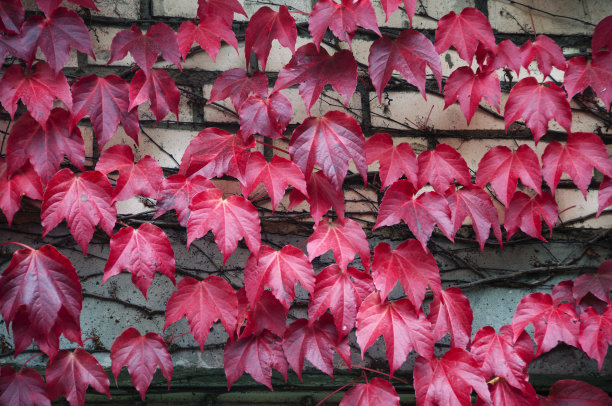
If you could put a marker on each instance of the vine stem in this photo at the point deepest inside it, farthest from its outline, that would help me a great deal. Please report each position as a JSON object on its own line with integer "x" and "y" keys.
{"x": 273, "y": 147}
{"x": 16, "y": 243}
{"x": 30, "y": 359}
{"x": 382, "y": 373}
{"x": 87, "y": 339}
{"x": 338, "y": 390}
{"x": 175, "y": 337}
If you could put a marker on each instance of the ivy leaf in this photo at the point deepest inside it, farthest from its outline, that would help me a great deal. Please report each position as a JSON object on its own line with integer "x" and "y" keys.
{"x": 440, "y": 166}
{"x": 223, "y": 9}
{"x": 524, "y": 212}
{"x": 569, "y": 392}
{"x": 464, "y": 31}
{"x": 235, "y": 84}
{"x": 376, "y": 392}
{"x": 597, "y": 75}
{"x": 403, "y": 326}
{"x": 450, "y": 311}
{"x": 322, "y": 195}
{"x": 176, "y": 193}
{"x": 265, "y": 26}
{"x": 390, "y": 6}
{"x": 546, "y": 52}
{"x": 504, "y": 394}
{"x": 229, "y": 219}
{"x": 84, "y": 201}
{"x": 469, "y": 88}
{"x": 537, "y": 104}
{"x": 208, "y": 34}
{"x": 596, "y": 333}
{"x": 158, "y": 87}
{"x": 267, "y": 313}
{"x": 266, "y": 116}
{"x": 203, "y": 303}
{"x": 142, "y": 252}
{"x": 311, "y": 69}
{"x": 23, "y": 182}
{"x": 604, "y": 197}
{"x": 602, "y": 35}
{"x": 409, "y": 54}
{"x": 142, "y": 355}
{"x": 11, "y": 16}
{"x": 597, "y": 284}
{"x": 393, "y": 160}
{"x": 48, "y": 6}
{"x": 26, "y": 388}
{"x": 506, "y": 54}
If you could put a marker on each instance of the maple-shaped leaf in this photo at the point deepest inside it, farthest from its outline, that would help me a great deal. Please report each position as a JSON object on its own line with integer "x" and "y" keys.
{"x": 506, "y": 54}
{"x": 420, "y": 213}
{"x": 145, "y": 48}
{"x": 553, "y": 323}
{"x": 36, "y": 89}
{"x": 500, "y": 356}
{"x": 214, "y": 153}
{"x": 440, "y": 166}
{"x": 546, "y": 52}
{"x": 345, "y": 240}
{"x": 229, "y": 219}
{"x": 223, "y": 9}
{"x": 105, "y": 100}
{"x": 597, "y": 75}
{"x": 469, "y": 88}
{"x": 41, "y": 289}
{"x": 403, "y": 326}
{"x": 596, "y": 333}
{"x": 581, "y": 153}
{"x": 267, "y": 313}
{"x": 23, "y": 182}
{"x": 409, "y": 265}
{"x": 602, "y": 35}
{"x": 604, "y": 196}
{"x": 376, "y": 392}
{"x": 476, "y": 203}
{"x": 70, "y": 373}
{"x": 255, "y": 355}
{"x": 311, "y": 69}
{"x": 450, "y": 311}
{"x": 390, "y": 6}
{"x": 142, "y": 252}
{"x": 449, "y": 380}
{"x": 502, "y": 168}
{"x": 504, "y": 394}
{"x": 142, "y": 355}
{"x": 235, "y": 84}
{"x": 598, "y": 284}
{"x": 342, "y": 19}
{"x": 464, "y": 31}
{"x": 341, "y": 291}
{"x": 158, "y": 87}
{"x": 208, "y": 34}
{"x": 176, "y": 192}
{"x": 203, "y": 303}
{"x": 24, "y": 44}
{"x": 330, "y": 142}
{"x": 569, "y": 392}
{"x": 279, "y": 270}
{"x": 525, "y": 212}
{"x": 143, "y": 178}
{"x": 265, "y": 26}
{"x": 409, "y": 54}
{"x": 393, "y": 160}
{"x": 83, "y": 200}
{"x": 537, "y": 104}
{"x": 48, "y": 6}
{"x": 322, "y": 195}
{"x": 24, "y": 388}
{"x": 11, "y": 16}
{"x": 266, "y": 116}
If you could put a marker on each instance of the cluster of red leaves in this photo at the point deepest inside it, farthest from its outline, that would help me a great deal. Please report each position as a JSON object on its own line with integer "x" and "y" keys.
{"x": 40, "y": 292}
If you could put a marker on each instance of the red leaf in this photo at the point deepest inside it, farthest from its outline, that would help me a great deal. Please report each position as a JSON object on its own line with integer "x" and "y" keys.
{"x": 345, "y": 240}
{"x": 464, "y": 31}
{"x": 580, "y": 154}
{"x": 70, "y": 373}
{"x": 84, "y": 201}
{"x": 376, "y": 392}
{"x": 265, "y": 26}
{"x": 546, "y": 52}
{"x": 502, "y": 168}
{"x": 476, "y": 203}
{"x": 24, "y": 388}
{"x": 469, "y": 88}
{"x": 409, "y": 54}
{"x": 440, "y": 166}
{"x": 203, "y": 303}
{"x": 159, "y": 39}
{"x": 552, "y": 323}
{"x": 341, "y": 291}
{"x": 176, "y": 192}
{"x": 598, "y": 284}
{"x": 223, "y": 9}
{"x": 596, "y": 333}
{"x": 142, "y": 355}
{"x": 229, "y": 219}
{"x": 390, "y": 6}
{"x": 279, "y": 270}
{"x": 575, "y": 393}
{"x": 41, "y": 290}
{"x": 48, "y": 6}
{"x": 393, "y": 160}
{"x": 449, "y": 380}
{"x": 266, "y": 116}
{"x": 597, "y": 75}
{"x": 602, "y": 35}
{"x": 403, "y": 326}
{"x": 235, "y": 84}
{"x": 143, "y": 178}
{"x": 409, "y": 265}
{"x": 255, "y": 355}
{"x": 11, "y": 16}
{"x": 36, "y": 89}
{"x": 506, "y": 54}
{"x": 420, "y": 213}
{"x": 208, "y": 34}
{"x": 537, "y": 104}
{"x": 604, "y": 197}
{"x": 503, "y": 394}
{"x": 105, "y": 101}
{"x": 24, "y": 45}
{"x": 266, "y": 314}
{"x": 158, "y": 87}
{"x": 23, "y": 182}
{"x": 311, "y": 69}
{"x": 141, "y": 252}
{"x": 341, "y": 19}
{"x": 322, "y": 195}
{"x": 524, "y": 212}
{"x": 450, "y": 311}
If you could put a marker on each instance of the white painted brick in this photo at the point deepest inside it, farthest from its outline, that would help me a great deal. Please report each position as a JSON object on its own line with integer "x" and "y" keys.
{"x": 434, "y": 8}
{"x": 108, "y": 8}
{"x": 572, "y": 205}
{"x": 185, "y": 113}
